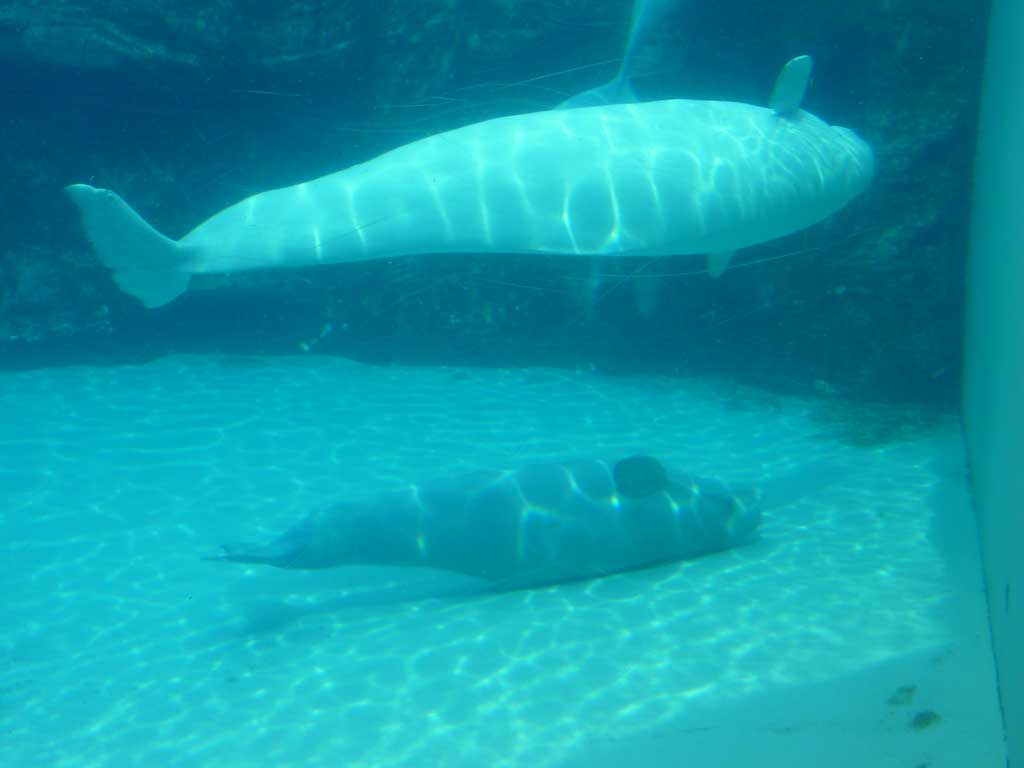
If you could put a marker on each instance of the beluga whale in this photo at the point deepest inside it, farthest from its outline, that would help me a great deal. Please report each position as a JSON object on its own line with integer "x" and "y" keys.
{"x": 635, "y": 179}
{"x": 542, "y": 524}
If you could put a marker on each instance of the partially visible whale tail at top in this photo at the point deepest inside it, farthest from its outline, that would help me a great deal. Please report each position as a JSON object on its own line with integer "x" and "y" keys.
{"x": 144, "y": 263}
{"x": 618, "y": 90}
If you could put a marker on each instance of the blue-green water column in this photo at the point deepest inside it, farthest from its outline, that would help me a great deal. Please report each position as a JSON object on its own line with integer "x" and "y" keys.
{"x": 994, "y": 359}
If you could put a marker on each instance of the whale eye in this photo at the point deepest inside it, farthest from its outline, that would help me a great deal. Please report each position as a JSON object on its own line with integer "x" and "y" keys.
{"x": 639, "y": 476}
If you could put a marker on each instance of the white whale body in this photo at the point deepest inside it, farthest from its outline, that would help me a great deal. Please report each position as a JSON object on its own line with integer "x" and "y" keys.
{"x": 635, "y": 179}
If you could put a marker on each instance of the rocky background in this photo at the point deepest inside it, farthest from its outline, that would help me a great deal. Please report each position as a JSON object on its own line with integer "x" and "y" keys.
{"x": 185, "y": 106}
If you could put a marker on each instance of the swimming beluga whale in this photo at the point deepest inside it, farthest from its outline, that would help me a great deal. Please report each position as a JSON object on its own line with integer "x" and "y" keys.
{"x": 545, "y": 523}
{"x": 623, "y": 180}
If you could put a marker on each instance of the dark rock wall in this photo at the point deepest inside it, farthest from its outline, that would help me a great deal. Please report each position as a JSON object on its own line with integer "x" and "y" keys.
{"x": 184, "y": 107}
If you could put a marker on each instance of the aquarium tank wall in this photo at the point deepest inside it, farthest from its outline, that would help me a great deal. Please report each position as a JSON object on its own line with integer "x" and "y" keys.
{"x": 994, "y": 363}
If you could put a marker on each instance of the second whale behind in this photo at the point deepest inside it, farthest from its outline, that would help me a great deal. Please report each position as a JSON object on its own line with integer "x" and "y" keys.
{"x": 543, "y": 524}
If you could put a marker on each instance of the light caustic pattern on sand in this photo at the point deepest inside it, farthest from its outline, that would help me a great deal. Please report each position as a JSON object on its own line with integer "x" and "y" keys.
{"x": 121, "y": 647}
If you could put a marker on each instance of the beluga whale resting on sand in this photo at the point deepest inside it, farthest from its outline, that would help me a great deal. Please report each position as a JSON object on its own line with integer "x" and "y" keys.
{"x": 542, "y": 524}
{"x": 628, "y": 179}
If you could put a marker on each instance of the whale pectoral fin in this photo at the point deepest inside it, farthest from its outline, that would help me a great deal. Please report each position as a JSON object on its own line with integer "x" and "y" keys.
{"x": 153, "y": 289}
{"x": 639, "y": 476}
{"x": 790, "y": 86}
{"x": 719, "y": 262}
{"x": 144, "y": 263}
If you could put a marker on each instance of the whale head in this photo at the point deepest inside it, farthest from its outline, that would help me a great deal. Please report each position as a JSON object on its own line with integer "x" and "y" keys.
{"x": 854, "y": 159}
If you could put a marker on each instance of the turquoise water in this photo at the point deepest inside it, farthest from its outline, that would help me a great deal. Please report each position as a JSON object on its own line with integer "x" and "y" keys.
{"x": 852, "y": 621}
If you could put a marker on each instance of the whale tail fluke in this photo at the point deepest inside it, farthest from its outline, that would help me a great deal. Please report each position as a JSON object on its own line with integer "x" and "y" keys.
{"x": 144, "y": 263}
{"x": 275, "y": 553}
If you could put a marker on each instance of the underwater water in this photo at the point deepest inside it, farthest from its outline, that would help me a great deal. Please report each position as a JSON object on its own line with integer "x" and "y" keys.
{"x": 822, "y": 367}
{"x": 853, "y": 626}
